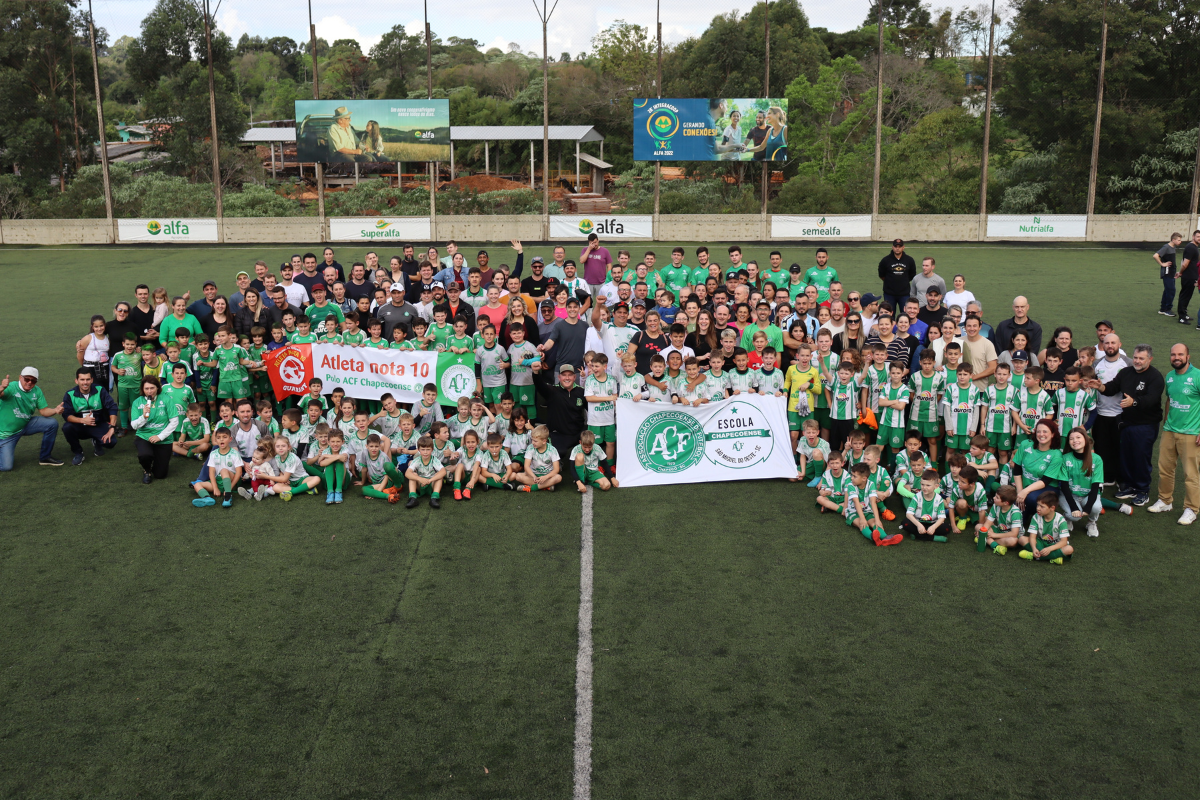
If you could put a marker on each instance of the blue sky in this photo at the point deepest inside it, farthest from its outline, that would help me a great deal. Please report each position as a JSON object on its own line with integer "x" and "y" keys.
{"x": 494, "y": 23}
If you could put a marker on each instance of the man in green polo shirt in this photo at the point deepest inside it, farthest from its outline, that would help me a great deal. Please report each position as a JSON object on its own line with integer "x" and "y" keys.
{"x": 23, "y": 412}
{"x": 1181, "y": 436}
{"x": 762, "y": 323}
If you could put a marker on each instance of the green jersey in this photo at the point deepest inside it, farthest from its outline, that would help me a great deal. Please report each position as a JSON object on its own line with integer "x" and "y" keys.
{"x": 476, "y": 299}
{"x": 331, "y": 338}
{"x": 130, "y": 365}
{"x": 698, "y": 276}
{"x": 317, "y": 316}
{"x": 1049, "y": 532}
{"x": 186, "y": 353}
{"x": 378, "y": 344}
{"x": 879, "y": 481}
{"x": 1079, "y": 481}
{"x": 843, "y": 398}
{"x": 1005, "y": 519}
{"x": 1000, "y": 405}
{"x": 166, "y": 372}
{"x": 820, "y": 278}
{"x": 891, "y": 417}
{"x": 1183, "y": 402}
{"x": 925, "y": 509}
{"x": 356, "y": 338}
{"x": 440, "y": 335}
{"x": 962, "y": 409}
{"x": 836, "y": 485}
{"x": 461, "y": 342}
{"x": 827, "y": 368}
{"x": 926, "y": 396}
{"x": 1073, "y": 408}
{"x": 1038, "y": 464}
{"x": 178, "y": 398}
{"x": 1034, "y": 406}
{"x": 303, "y": 338}
{"x": 590, "y": 460}
{"x": 675, "y": 278}
{"x": 856, "y": 497}
{"x": 518, "y": 443}
{"x": 405, "y": 345}
{"x": 194, "y": 433}
{"x": 229, "y": 365}
{"x": 161, "y": 422}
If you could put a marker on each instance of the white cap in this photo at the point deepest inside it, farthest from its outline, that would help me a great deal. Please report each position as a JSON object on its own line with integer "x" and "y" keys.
{"x": 30, "y": 372}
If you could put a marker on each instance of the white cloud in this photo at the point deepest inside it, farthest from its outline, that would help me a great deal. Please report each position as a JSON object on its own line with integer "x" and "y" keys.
{"x": 335, "y": 27}
{"x": 232, "y": 24}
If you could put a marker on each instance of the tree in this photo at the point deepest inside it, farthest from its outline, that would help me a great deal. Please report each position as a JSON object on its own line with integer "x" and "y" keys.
{"x": 346, "y": 44}
{"x": 1159, "y": 181}
{"x": 940, "y": 160}
{"x": 910, "y": 18}
{"x": 565, "y": 58}
{"x": 397, "y": 52}
{"x": 625, "y": 52}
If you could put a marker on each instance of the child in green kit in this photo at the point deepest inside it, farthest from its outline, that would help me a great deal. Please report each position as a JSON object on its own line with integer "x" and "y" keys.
{"x": 373, "y": 469}
{"x": 332, "y": 462}
{"x": 831, "y": 492}
{"x": 494, "y": 468}
{"x": 999, "y": 402}
{"x": 907, "y": 479}
{"x": 460, "y": 422}
{"x": 266, "y": 415}
{"x": 353, "y": 336}
{"x": 204, "y": 374}
{"x": 542, "y": 468}
{"x": 177, "y": 394}
{"x": 892, "y": 400}
{"x": 814, "y": 454}
{"x": 861, "y": 511}
{"x": 879, "y": 480}
{"x": 443, "y": 449}
{"x": 293, "y": 474}
{"x": 404, "y": 443}
{"x": 962, "y": 403}
{"x": 224, "y": 471}
{"x": 331, "y": 335}
{"x": 186, "y": 350}
{"x": 233, "y": 381}
{"x": 1033, "y": 403}
{"x": 167, "y": 368}
{"x": 842, "y": 396}
{"x": 1002, "y": 528}
{"x": 398, "y": 340}
{"x": 195, "y": 435}
{"x": 460, "y": 343}
{"x": 303, "y": 334}
{"x": 375, "y": 338}
{"x": 587, "y": 457}
{"x": 260, "y": 381}
{"x": 1048, "y": 538}
{"x": 425, "y": 475}
{"x": 468, "y": 457}
{"x": 968, "y": 501}
{"x": 127, "y": 367}
{"x": 518, "y": 437}
{"x": 491, "y": 360}
{"x": 426, "y": 411}
{"x": 521, "y": 356}
{"x": 926, "y": 511}
{"x": 927, "y": 387}
{"x": 985, "y": 462}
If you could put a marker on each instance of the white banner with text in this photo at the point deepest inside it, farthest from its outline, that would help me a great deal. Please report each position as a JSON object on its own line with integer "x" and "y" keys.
{"x": 742, "y": 438}
{"x": 370, "y": 229}
{"x": 819, "y": 227}
{"x": 1037, "y": 226}
{"x": 622, "y": 227}
{"x": 167, "y": 230}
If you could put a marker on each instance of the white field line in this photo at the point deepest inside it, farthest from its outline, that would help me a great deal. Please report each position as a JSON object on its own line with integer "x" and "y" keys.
{"x": 583, "y": 660}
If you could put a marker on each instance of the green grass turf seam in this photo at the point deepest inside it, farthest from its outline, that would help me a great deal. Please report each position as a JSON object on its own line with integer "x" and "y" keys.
{"x": 583, "y": 658}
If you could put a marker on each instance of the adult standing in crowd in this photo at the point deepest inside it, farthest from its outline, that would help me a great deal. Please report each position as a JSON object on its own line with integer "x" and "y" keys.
{"x": 566, "y": 412}
{"x": 297, "y": 293}
{"x": 142, "y": 316}
{"x": 308, "y": 276}
{"x": 569, "y": 336}
{"x": 1003, "y": 332}
{"x": 120, "y": 325}
{"x": 204, "y": 306}
{"x": 252, "y": 314}
{"x": 1165, "y": 258}
{"x": 178, "y": 318}
{"x": 94, "y": 350}
{"x": 219, "y": 317}
{"x": 1107, "y": 429}
{"x": 280, "y": 304}
{"x": 24, "y": 412}
{"x": 396, "y": 312}
{"x": 933, "y": 312}
{"x": 927, "y": 278}
{"x": 1139, "y": 389}
{"x": 359, "y": 285}
{"x": 1180, "y": 437}
{"x": 88, "y": 412}
{"x": 330, "y": 263}
{"x": 978, "y": 352}
{"x": 597, "y": 261}
{"x": 237, "y": 300}
{"x": 1189, "y": 271}
{"x": 518, "y": 314}
{"x": 896, "y": 270}
{"x": 649, "y": 342}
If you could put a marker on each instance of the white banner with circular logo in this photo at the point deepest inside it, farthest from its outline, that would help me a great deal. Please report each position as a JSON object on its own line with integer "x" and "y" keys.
{"x": 742, "y": 438}
{"x": 165, "y": 229}
{"x": 821, "y": 227}
{"x": 1037, "y": 226}
{"x": 398, "y": 229}
{"x": 620, "y": 227}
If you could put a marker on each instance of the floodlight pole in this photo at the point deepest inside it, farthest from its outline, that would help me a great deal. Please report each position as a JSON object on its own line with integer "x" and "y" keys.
{"x": 658, "y": 94}
{"x": 987, "y": 129}
{"x": 316, "y": 87}
{"x": 544, "y": 15}
{"x": 1091, "y": 195}
{"x": 212, "y": 116}
{"x": 766, "y": 94}
{"x": 108, "y": 201}
{"x": 429, "y": 96}
{"x": 1195, "y": 184}
{"x": 878, "y": 124}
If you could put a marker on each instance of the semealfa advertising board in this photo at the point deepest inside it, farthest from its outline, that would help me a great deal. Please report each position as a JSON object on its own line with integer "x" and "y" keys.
{"x": 332, "y": 131}
{"x": 710, "y": 129}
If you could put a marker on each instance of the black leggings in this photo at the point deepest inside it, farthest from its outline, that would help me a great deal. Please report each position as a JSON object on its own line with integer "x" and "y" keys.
{"x": 154, "y": 458}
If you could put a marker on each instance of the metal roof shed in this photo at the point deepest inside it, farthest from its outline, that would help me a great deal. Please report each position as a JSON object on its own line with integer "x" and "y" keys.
{"x": 524, "y": 133}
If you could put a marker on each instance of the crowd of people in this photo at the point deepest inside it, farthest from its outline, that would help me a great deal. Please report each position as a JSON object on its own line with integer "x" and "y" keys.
{"x": 904, "y": 405}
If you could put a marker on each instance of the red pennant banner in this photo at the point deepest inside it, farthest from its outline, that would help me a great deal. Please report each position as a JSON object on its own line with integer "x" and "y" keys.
{"x": 290, "y": 368}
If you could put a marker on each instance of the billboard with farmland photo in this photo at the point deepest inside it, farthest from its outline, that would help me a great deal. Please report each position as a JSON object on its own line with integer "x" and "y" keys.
{"x": 332, "y": 131}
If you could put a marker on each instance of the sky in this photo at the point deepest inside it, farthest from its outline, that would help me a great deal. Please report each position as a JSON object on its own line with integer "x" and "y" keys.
{"x": 496, "y": 24}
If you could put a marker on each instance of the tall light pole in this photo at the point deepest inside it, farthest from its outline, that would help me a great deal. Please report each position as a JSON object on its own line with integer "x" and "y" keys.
{"x": 766, "y": 94}
{"x": 429, "y": 96}
{"x": 316, "y": 87}
{"x": 544, "y": 15}
{"x": 658, "y": 94}
{"x": 108, "y": 201}
{"x": 987, "y": 128}
{"x": 878, "y": 122}
{"x": 212, "y": 110}
{"x": 1091, "y": 195}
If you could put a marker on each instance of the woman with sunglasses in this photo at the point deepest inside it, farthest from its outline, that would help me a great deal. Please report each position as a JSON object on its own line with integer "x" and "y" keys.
{"x": 852, "y": 338}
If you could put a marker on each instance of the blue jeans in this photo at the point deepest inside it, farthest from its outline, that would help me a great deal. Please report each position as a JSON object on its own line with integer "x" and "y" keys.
{"x": 1137, "y": 444}
{"x": 1168, "y": 295}
{"x": 46, "y": 426}
{"x": 897, "y": 302}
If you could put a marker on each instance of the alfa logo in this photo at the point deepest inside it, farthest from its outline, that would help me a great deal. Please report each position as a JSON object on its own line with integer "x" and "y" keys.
{"x": 380, "y": 224}
{"x": 585, "y": 226}
{"x": 153, "y": 227}
{"x": 457, "y": 381}
{"x": 662, "y": 124}
{"x": 669, "y": 441}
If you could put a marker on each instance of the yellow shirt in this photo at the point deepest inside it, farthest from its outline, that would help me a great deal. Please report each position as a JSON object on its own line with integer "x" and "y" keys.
{"x": 797, "y": 381}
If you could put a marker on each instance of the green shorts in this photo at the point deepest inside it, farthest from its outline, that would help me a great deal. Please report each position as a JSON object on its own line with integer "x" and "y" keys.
{"x": 821, "y": 415}
{"x": 796, "y": 422}
{"x": 890, "y": 437}
{"x": 840, "y": 507}
{"x": 491, "y": 394}
{"x": 604, "y": 433}
{"x": 233, "y": 390}
{"x": 260, "y": 384}
{"x": 589, "y": 477}
{"x": 1000, "y": 441}
{"x": 522, "y": 395}
{"x": 424, "y": 491}
{"x": 956, "y": 442}
{"x": 928, "y": 430}
{"x": 126, "y": 396}
{"x": 1055, "y": 554}
{"x": 207, "y": 394}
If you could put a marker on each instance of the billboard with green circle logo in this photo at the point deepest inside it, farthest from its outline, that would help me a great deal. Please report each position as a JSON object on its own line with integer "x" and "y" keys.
{"x": 710, "y": 129}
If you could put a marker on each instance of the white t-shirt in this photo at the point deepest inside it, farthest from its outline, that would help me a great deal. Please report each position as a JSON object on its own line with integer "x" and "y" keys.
{"x": 245, "y": 441}
{"x": 731, "y": 135}
{"x": 297, "y": 295}
{"x": 959, "y": 299}
{"x": 230, "y": 461}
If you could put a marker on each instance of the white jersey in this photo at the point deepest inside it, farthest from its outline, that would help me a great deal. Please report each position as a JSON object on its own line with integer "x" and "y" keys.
{"x": 541, "y": 463}
{"x": 218, "y": 461}
{"x": 605, "y": 411}
{"x": 631, "y": 386}
{"x": 375, "y": 466}
{"x": 715, "y": 386}
{"x": 491, "y": 365}
{"x": 741, "y": 381}
{"x": 387, "y": 424}
{"x": 768, "y": 382}
{"x": 522, "y": 375}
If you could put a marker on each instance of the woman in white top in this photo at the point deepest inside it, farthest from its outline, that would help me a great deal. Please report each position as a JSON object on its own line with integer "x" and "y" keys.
{"x": 92, "y": 351}
{"x": 960, "y": 296}
{"x": 733, "y": 135}
{"x": 949, "y": 334}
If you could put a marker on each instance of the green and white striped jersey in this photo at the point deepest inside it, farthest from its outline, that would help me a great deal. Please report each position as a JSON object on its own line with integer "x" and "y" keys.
{"x": 1035, "y": 406}
{"x": 1000, "y": 405}
{"x": 926, "y": 396}
{"x": 892, "y": 417}
{"x": 835, "y": 484}
{"x": 741, "y": 381}
{"x": 926, "y": 509}
{"x": 1049, "y": 532}
{"x": 962, "y": 409}
{"x": 875, "y": 379}
{"x": 978, "y": 500}
{"x": 843, "y": 398}
{"x": 1073, "y": 408}
{"x": 1005, "y": 519}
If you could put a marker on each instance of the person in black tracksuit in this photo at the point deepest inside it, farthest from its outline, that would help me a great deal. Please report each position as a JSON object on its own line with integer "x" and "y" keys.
{"x": 1141, "y": 392}
{"x": 566, "y": 414}
{"x": 896, "y": 270}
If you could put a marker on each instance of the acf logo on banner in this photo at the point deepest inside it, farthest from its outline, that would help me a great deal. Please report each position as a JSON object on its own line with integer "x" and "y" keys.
{"x": 456, "y": 379}
{"x": 674, "y": 441}
{"x": 290, "y": 368}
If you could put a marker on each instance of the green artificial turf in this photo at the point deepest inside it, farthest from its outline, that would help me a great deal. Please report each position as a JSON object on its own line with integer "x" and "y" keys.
{"x": 745, "y": 645}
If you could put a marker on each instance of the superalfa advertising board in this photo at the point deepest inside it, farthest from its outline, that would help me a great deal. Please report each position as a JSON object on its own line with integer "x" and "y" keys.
{"x": 1037, "y": 226}
{"x": 167, "y": 230}
{"x": 369, "y": 229}
{"x": 818, "y": 227}
{"x": 330, "y": 131}
{"x": 742, "y": 438}
{"x": 631, "y": 227}
{"x": 366, "y": 373}
{"x": 710, "y": 129}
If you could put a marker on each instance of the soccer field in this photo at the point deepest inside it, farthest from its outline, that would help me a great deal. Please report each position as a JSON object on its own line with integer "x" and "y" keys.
{"x": 744, "y": 645}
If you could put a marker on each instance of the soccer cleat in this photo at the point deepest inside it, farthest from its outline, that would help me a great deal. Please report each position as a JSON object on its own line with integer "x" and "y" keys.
{"x": 50, "y": 462}
{"x": 466, "y": 494}
{"x": 77, "y": 459}
{"x": 895, "y": 538}
{"x": 1188, "y": 517}
{"x": 412, "y": 502}
{"x": 204, "y": 502}
{"x": 458, "y": 494}
{"x": 1126, "y": 509}
{"x": 1126, "y": 494}
{"x": 435, "y": 502}
{"x": 246, "y": 493}
{"x": 1058, "y": 561}
{"x": 961, "y": 525}
{"x": 1092, "y": 531}
{"x": 523, "y": 488}
{"x": 888, "y": 514}
{"x": 1184, "y": 320}
{"x": 510, "y": 486}
{"x": 393, "y": 498}
{"x": 1000, "y": 550}
{"x": 286, "y": 497}
{"x": 814, "y": 483}
{"x": 1025, "y": 554}
{"x": 227, "y": 500}
{"x": 329, "y": 498}
{"x": 337, "y": 498}
{"x": 1159, "y": 506}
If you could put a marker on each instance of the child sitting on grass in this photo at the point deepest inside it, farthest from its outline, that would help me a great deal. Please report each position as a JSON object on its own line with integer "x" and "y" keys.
{"x": 425, "y": 475}
{"x": 1002, "y": 528}
{"x": 831, "y": 493}
{"x": 860, "y": 501}
{"x": 1048, "y": 538}
{"x": 587, "y": 458}
{"x": 926, "y": 511}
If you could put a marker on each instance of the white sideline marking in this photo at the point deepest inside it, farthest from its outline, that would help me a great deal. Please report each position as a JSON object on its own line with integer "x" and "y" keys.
{"x": 583, "y": 660}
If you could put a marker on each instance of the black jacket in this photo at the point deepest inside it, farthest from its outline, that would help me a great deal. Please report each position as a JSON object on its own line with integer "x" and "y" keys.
{"x": 897, "y": 273}
{"x": 1146, "y": 389}
{"x": 566, "y": 412}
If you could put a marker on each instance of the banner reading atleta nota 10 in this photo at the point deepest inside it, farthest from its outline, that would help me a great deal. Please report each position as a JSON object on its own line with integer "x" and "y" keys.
{"x": 710, "y": 129}
{"x": 742, "y": 438}
{"x": 366, "y": 373}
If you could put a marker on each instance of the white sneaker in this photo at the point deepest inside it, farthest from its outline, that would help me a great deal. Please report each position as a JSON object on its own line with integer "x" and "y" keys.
{"x": 260, "y": 493}
{"x": 1159, "y": 506}
{"x": 1092, "y": 530}
{"x": 1188, "y": 517}
{"x": 244, "y": 492}
{"x": 1126, "y": 509}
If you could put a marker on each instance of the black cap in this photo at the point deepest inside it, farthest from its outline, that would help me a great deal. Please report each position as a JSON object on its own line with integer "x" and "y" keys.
{"x": 795, "y": 269}
{"x": 569, "y": 261}
{"x": 209, "y": 283}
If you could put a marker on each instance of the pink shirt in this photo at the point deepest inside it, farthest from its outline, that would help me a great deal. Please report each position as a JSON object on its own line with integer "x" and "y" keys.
{"x": 595, "y": 266}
